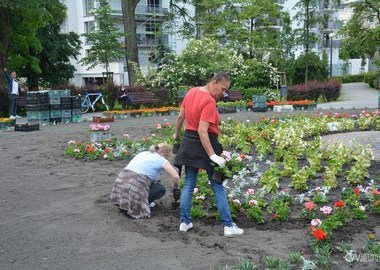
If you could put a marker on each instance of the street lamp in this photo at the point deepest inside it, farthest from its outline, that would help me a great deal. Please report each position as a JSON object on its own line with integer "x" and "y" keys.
{"x": 331, "y": 36}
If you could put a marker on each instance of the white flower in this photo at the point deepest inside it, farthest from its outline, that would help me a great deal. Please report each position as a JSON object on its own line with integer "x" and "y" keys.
{"x": 196, "y": 190}
{"x": 253, "y": 202}
{"x": 316, "y": 222}
{"x": 326, "y": 209}
{"x": 361, "y": 207}
{"x": 71, "y": 142}
{"x": 76, "y": 150}
{"x": 200, "y": 197}
{"x": 105, "y": 156}
{"x": 236, "y": 201}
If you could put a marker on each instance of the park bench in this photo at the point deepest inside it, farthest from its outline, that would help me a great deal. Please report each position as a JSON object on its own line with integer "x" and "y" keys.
{"x": 234, "y": 95}
{"x": 22, "y": 101}
{"x": 138, "y": 98}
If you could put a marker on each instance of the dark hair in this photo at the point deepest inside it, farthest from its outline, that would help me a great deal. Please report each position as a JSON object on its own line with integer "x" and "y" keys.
{"x": 218, "y": 77}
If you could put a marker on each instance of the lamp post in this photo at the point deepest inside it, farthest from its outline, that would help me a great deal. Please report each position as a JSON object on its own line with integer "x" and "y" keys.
{"x": 331, "y": 36}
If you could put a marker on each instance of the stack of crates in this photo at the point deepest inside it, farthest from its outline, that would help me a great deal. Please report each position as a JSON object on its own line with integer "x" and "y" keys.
{"x": 259, "y": 104}
{"x": 37, "y": 107}
{"x": 76, "y": 109}
{"x": 55, "y": 104}
{"x": 66, "y": 109}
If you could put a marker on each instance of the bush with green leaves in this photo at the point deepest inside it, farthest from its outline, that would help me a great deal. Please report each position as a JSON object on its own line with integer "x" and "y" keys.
{"x": 317, "y": 69}
{"x": 202, "y": 58}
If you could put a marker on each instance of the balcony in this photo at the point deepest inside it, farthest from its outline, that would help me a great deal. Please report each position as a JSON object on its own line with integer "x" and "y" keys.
{"x": 149, "y": 41}
{"x": 146, "y": 12}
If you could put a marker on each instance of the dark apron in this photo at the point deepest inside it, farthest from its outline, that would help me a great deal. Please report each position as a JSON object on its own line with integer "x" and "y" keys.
{"x": 191, "y": 152}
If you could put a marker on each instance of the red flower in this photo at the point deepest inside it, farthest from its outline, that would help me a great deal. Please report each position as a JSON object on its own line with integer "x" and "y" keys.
{"x": 276, "y": 216}
{"x": 319, "y": 234}
{"x": 357, "y": 191}
{"x": 339, "y": 204}
{"x": 309, "y": 206}
{"x": 375, "y": 191}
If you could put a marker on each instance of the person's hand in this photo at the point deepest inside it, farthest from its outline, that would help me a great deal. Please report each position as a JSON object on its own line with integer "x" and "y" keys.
{"x": 221, "y": 162}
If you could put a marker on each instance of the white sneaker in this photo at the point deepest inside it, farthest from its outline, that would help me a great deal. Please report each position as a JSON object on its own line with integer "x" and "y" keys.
{"x": 185, "y": 227}
{"x": 233, "y": 231}
{"x": 12, "y": 117}
{"x": 18, "y": 116}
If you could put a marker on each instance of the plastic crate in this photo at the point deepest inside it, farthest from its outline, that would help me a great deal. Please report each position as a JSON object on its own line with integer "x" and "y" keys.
{"x": 76, "y": 105}
{"x": 66, "y": 120}
{"x": 55, "y": 107}
{"x": 76, "y": 112}
{"x": 66, "y": 114}
{"x": 54, "y": 93}
{"x": 77, "y": 118}
{"x": 42, "y": 122}
{"x": 37, "y": 115}
{"x": 54, "y": 100}
{"x": 37, "y": 107}
{"x": 66, "y": 106}
{"x": 55, "y": 119}
{"x": 27, "y": 127}
{"x": 100, "y": 136}
{"x": 259, "y": 99}
{"x": 98, "y": 119}
{"x": 55, "y": 114}
{"x": 258, "y": 104}
{"x": 65, "y": 93}
{"x": 65, "y": 100}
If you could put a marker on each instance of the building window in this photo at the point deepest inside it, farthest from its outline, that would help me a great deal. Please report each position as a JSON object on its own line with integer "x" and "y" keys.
{"x": 153, "y": 3}
{"x": 89, "y": 5}
{"x": 89, "y": 27}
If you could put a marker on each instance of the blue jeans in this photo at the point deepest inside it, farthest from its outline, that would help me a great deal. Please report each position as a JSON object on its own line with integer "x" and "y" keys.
{"x": 13, "y": 104}
{"x": 220, "y": 195}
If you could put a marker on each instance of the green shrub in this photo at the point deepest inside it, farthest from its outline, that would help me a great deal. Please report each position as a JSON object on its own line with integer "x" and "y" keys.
{"x": 317, "y": 69}
{"x": 371, "y": 78}
{"x": 350, "y": 78}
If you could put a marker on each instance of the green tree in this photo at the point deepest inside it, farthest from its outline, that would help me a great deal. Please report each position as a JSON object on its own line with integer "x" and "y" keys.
{"x": 19, "y": 22}
{"x": 106, "y": 46}
{"x": 57, "y": 51}
{"x": 362, "y": 33}
{"x": 317, "y": 68}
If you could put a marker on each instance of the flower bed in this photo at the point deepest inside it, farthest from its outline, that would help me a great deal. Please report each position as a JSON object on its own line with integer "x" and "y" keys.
{"x": 289, "y": 179}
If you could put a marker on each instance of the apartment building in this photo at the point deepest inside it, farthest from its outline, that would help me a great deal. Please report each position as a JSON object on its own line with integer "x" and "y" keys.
{"x": 149, "y": 17}
{"x": 329, "y": 39}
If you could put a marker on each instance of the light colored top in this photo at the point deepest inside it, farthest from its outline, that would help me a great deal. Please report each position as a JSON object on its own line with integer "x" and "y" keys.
{"x": 15, "y": 87}
{"x": 147, "y": 163}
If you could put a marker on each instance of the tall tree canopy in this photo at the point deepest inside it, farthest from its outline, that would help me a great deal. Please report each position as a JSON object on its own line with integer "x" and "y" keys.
{"x": 362, "y": 32}
{"x": 106, "y": 46}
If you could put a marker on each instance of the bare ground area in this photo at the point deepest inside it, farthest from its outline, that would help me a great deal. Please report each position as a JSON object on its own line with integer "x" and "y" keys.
{"x": 54, "y": 214}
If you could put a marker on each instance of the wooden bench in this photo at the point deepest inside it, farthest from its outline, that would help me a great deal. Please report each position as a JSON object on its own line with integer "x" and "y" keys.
{"x": 138, "y": 98}
{"x": 22, "y": 101}
{"x": 234, "y": 95}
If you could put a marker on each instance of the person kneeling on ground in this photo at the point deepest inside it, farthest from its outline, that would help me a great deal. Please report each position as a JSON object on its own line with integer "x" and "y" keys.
{"x": 137, "y": 185}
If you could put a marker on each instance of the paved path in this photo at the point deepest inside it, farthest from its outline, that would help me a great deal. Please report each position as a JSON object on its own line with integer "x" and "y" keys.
{"x": 354, "y": 96}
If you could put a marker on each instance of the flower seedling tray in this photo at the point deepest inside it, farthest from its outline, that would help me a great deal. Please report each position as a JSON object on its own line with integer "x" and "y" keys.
{"x": 98, "y": 119}
{"x": 27, "y": 127}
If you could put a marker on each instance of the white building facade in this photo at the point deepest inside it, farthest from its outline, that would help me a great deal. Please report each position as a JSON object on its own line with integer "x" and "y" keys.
{"x": 149, "y": 17}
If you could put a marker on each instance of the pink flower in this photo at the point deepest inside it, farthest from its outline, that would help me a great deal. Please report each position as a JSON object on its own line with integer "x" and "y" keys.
{"x": 326, "y": 209}
{"x": 158, "y": 126}
{"x": 227, "y": 155}
{"x": 251, "y": 191}
{"x": 105, "y": 156}
{"x": 196, "y": 190}
{"x": 309, "y": 206}
{"x": 316, "y": 222}
{"x": 253, "y": 202}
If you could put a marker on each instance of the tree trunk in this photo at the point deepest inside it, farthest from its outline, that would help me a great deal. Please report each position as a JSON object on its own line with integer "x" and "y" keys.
{"x": 5, "y": 30}
{"x": 128, "y": 8}
{"x": 307, "y": 22}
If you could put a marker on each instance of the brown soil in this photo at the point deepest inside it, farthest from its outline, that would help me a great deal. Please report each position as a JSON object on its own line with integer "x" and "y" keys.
{"x": 54, "y": 214}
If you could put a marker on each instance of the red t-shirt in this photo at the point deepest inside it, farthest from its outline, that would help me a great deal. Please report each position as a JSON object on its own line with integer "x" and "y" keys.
{"x": 200, "y": 105}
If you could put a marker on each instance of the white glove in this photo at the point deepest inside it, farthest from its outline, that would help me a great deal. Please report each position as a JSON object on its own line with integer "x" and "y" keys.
{"x": 218, "y": 160}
